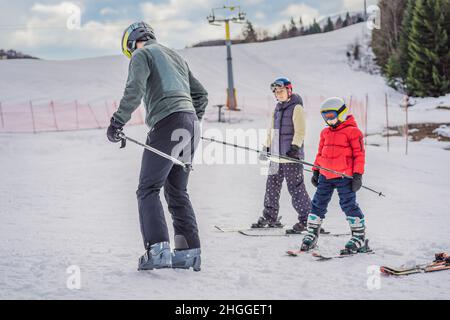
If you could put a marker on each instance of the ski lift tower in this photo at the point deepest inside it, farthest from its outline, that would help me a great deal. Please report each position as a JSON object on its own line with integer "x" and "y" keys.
{"x": 236, "y": 16}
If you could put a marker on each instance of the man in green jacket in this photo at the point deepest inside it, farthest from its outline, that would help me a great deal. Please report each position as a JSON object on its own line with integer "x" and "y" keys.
{"x": 174, "y": 103}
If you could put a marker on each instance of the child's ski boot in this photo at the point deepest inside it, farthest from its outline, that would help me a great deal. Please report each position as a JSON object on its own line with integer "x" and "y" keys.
{"x": 358, "y": 242}
{"x": 158, "y": 256}
{"x": 301, "y": 227}
{"x": 266, "y": 223}
{"x": 313, "y": 228}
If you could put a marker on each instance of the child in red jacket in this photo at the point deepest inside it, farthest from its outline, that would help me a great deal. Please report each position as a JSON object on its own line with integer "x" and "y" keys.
{"x": 341, "y": 149}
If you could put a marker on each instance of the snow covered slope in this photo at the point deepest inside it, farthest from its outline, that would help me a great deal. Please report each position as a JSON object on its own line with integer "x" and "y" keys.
{"x": 63, "y": 201}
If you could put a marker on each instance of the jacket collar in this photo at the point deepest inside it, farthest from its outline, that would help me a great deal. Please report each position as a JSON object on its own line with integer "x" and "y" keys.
{"x": 295, "y": 100}
{"x": 349, "y": 122}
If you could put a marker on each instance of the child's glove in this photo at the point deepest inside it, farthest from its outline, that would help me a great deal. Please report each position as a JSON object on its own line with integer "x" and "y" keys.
{"x": 315, "y": 178}
{"x": 356, "y": 182}
{"x": 293, "y": 152}
{"x": 263, "y": 154}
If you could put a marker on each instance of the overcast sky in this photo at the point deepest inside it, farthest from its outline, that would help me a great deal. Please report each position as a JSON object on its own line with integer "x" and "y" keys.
{"x": 49, "y": 28}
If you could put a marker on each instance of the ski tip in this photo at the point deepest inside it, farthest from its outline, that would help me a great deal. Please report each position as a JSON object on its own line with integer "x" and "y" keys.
{"x": 292, "y": 253}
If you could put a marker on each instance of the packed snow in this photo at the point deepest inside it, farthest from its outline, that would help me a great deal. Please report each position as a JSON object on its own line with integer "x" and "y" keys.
{"x": 68, "y": 198}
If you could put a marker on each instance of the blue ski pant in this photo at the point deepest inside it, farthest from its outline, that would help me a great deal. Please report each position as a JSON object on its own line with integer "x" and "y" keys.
{"x": 347, "y": 198}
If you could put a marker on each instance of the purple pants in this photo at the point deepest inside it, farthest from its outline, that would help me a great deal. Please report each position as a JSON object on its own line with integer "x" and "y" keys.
{"x": 293, "y": 173}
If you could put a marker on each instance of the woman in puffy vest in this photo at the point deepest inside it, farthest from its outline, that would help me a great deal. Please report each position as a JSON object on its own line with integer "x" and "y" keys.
{"x": 285, "y": 137}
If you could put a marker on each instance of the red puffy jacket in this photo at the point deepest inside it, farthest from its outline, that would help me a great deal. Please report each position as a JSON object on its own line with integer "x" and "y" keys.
{"x": 341, "y": 149}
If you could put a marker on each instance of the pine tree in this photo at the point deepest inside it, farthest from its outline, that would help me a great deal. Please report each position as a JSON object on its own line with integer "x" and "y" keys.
{"x": 403, "y": 52}
{"x": 249, "y": 33}
{"x": 301, "y": 27}
{"x": 293, "y": 31}
{"x": 428, "y": 49}
{"x": 347, "y": 21}
{"x": 329, "y": 26}
{"x": 441, "y": 58}
{"x": 315, "y": 28}
{"x": 339, "y": 23}
{"x": 284, "y": 32}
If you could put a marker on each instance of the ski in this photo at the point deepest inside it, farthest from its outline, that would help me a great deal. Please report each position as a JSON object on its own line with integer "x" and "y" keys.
{"x": 363, "y": 250}
{"x": 251, "y": 233}
{"x": 295, "y": 253}
{"x": 265, "y": 232}
{"x": 441, "y": 262}
{"x": 230, "y": 230}
{"x": 321, "y": 257}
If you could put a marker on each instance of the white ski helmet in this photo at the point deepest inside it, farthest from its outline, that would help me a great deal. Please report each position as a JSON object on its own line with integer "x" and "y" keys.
{"x": 333, "y": 108}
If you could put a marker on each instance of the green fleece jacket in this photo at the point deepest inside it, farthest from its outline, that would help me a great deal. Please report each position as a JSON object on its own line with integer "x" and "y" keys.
{"x": 162, "y": 78}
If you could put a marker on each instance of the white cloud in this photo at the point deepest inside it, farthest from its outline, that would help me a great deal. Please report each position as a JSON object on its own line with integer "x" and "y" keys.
{"x": 307, "y": 13}
{"x": 251, "y": 2}
{"x": 174, "y": 27}
{"x": 260, "y": 15}
{"x": 108, "y": 11}
{"x": 356, "y": 5}
{"x": 47, "y": 26}
{"x": 172, "y": 9}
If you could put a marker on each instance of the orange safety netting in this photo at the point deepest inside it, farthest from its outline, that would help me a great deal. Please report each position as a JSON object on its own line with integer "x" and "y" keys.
{"x": 59, "y": 116}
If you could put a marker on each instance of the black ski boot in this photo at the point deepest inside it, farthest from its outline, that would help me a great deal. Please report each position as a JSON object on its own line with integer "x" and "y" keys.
{"x": 266, "y": 223}
{"x": 313, "y": 228}
{"x": 358, "y": 242}
{"x": 297, "y": 228}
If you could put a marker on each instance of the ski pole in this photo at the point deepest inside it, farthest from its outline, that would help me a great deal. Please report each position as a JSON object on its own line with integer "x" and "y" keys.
{"x": 268, "y": 154}
{"x": 186, "y": 166}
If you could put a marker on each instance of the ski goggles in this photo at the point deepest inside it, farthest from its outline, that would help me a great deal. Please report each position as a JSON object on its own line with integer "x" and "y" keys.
{"x": 277, "y": 85}
{"x": 333, "y": 114}
{"x": 330, "y": 115}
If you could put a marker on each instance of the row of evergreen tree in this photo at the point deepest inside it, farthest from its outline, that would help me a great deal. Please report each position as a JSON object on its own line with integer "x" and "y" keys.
{"x": 413, "y": 45}
{"x": 295, "y": 29}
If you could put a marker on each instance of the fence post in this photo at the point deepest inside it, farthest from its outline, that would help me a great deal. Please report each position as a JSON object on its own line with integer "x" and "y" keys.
{"x": 93, "y": 115}
{"x": 387, "y": 120}
{"x": 54, "y": 115}
{"x": 407, "y": 127}
{"x": 76, "y": 116}
{"x": 1, "y": 116}
{"x": 366, "y": 119}
{"x": 107, "y": 109}
{"x": 32, "y": 117}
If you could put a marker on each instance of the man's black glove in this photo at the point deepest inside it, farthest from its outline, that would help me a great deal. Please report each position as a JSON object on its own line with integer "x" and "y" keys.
{"x": 315, "y": 178}
{"x": 293, "y": 152}
{"x": 263, "y": 154}
{"x": 356, "y": 182}
{"x": 114, "y": 129}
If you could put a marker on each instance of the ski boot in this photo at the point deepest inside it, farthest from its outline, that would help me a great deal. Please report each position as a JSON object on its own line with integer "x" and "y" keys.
{"x": 358, "y": 242}
{"x": 442, "y": 257}
{"x": 158, "y": 256}
{"x": 183, "y": 257}
{"x": 313, "y": 228}
{"x": 266, "y": 223}
{"x": 297, "y": 228}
